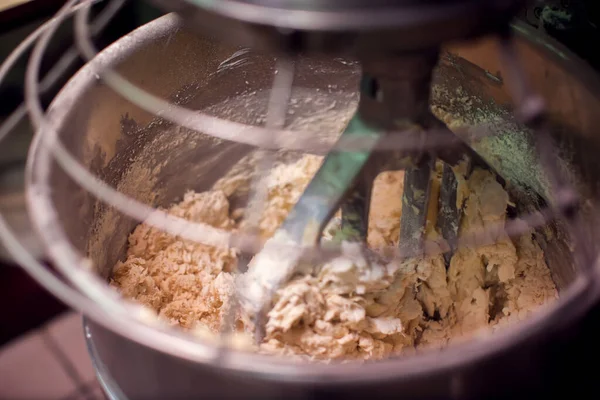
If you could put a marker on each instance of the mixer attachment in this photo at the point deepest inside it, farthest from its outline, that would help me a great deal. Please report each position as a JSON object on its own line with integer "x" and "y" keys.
{"x": 394, "y": 101}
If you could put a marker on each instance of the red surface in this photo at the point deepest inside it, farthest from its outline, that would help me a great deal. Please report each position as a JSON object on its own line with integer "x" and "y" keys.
{"x": 25, "y": 305}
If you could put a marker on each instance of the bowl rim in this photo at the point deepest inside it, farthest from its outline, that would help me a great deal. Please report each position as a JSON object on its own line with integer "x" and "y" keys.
{"x": 112, "y": 313}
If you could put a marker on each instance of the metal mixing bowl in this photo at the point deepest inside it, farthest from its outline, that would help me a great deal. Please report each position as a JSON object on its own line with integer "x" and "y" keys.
{"x": 155, "y": 162}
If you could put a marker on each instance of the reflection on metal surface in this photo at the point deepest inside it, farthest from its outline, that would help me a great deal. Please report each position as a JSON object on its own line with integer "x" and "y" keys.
{"x": 109, "y": 386}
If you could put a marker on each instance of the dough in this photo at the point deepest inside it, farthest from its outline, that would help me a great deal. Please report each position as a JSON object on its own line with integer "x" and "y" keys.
{"x": 346, "y": 309}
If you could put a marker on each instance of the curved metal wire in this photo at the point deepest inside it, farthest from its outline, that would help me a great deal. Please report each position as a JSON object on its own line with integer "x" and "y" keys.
{"x": 260, "y": 137}
{"x": 57, "y": 70}
{"x": 197, "y": 232}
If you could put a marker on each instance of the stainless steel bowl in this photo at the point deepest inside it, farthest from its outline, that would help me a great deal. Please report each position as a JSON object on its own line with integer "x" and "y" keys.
{"x": 155, "y": 162}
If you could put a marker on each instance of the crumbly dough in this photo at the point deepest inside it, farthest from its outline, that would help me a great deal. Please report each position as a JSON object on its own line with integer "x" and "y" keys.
{"x": 347, "y": 308}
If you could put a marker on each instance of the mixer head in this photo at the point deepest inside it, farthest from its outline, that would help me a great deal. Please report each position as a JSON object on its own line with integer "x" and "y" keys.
{"x": 344, "y": 26}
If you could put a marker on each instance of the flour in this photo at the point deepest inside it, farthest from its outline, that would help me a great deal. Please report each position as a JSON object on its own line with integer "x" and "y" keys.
{"x": 346, "y": 308}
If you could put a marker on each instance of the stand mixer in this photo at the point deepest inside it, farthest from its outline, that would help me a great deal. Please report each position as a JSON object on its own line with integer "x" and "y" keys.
{"x": 102, "y": 121}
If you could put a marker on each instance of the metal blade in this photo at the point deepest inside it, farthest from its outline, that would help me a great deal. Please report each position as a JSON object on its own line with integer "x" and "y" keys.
{"x": 329, "y": 187}
{"x": 449, "y": 213}
{"x": 415, "y": 199}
